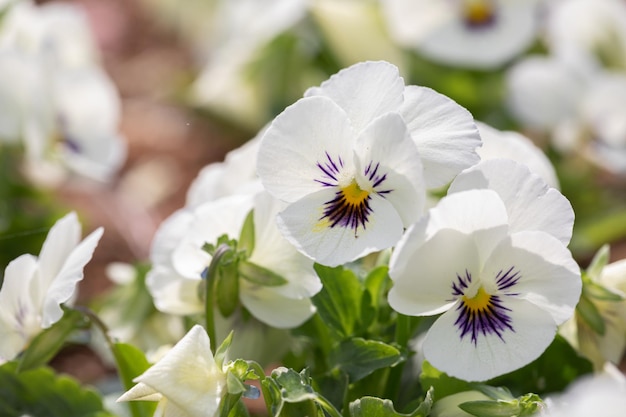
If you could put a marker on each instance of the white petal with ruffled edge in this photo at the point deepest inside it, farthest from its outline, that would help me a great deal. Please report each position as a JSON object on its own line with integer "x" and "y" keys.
{"x": 444, "y": 132}
{"x": 530, "y": 203}
{"x": 364, "y": 91}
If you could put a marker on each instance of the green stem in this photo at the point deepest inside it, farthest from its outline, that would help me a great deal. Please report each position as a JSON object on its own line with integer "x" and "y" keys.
{"x": 209, "y": 291}
{"x": 394, "y": 376}
{"x": 328, "y": 407}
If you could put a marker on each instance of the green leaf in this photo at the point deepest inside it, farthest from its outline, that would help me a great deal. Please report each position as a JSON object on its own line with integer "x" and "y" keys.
{"x": 39, "y": 392}
{"x": 246, "y": 237}
{"x": 338, "y": 303}
{"x": 600, "y": 292}
{"x": 442, "y": 383}
{"x": 260, "y": 275}
{"x": 285, "y": 386}
{"x": 590, "y": 314}
{"x": 491, "y": 408}
{"x": 374, "y": 283}
{"x": 131, "y": 362}
{"x": 377, "y": 407}
{"x": 222, "y": 350}
{"x": 359, "y": 357}
{"x": 295, "y": 387}
{"x": 47, "y": 343}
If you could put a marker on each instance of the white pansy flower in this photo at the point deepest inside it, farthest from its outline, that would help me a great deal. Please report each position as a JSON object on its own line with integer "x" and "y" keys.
{"x": 35, "y": 287}
{"x": 179, "y": 261}
{"x": 513, "y": 145}
{"x": 470, "y": 33}
{"x": 354, "y": 157}
{"x": 186, "y": 382}
{"x": 501, "y": 295}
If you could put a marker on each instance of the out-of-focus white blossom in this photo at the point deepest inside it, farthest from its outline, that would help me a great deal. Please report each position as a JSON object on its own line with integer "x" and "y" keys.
{"x": 35, "y": 287}
{"x": 469, "y": 33}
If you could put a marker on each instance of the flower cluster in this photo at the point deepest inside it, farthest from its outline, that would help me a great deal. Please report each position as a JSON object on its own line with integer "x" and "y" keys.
{"x": 380, "y": 247}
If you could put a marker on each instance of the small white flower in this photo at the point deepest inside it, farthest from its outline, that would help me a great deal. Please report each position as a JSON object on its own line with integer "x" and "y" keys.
{"x": 179, "y": 260}
{"x": 469, "y": 33}
{"x": 354, "y": 157}
{"x": 35, "y": 287}
{"x": 502, "y": 293}
{"x": 186, "y": 382}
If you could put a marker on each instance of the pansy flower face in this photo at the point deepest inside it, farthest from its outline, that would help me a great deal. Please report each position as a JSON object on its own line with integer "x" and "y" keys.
{"x": 354, "y": 157}
{"x": 502, "y": 294}
{"x": 469, "y": 33}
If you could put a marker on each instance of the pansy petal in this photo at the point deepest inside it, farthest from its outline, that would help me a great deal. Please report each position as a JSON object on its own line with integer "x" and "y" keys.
{"x": 60, "y": 241}
{"x": 169, "y": 234}
{"x": 530, "y": 203}
{"x": 365, "y": 91}
{"x": 300, "y": 142}
{"x": 490, "y": 356}
{"x": 444, "y": 132}
{"x": 17, "y": 312}
{"x": 210, "y": 221}
{"x": 140, "y": 392}
{"x": 549, "y": 276}
{"x": 468, "y": 212}
{"x": 513, "y": 145}
{"x": 390, "y": 163}
{"x": 423, "y": 279}
{"x": 275, "y": 253}
{"x": 274, "y": 309}
{"x": 307, "y": 229}
{"x": 64, "y": 283}
{"x": 188, "y": 375}
{"x": 172, "y": 293}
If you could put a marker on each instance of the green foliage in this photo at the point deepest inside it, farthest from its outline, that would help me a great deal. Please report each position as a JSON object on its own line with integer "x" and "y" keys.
{"x": 41, "y": 393}
{"x": 339, "y": 301}
{"x": 503, "y": 404}
{"x": 359, "y": 357}
{"x": 442, "y": 384}
{"x": 47, "y": 343}
{"x": 376, "y": 407}
{"x": 131, "y": 362}
{"x": 26, "y": 212}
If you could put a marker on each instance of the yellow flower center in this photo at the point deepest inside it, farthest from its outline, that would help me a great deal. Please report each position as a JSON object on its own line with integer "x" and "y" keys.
{"x": 478, "y": 302}
{"x": 478, "y": 13}
{"x": 350, "y": 209}
{"x": 353, "y": 194}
